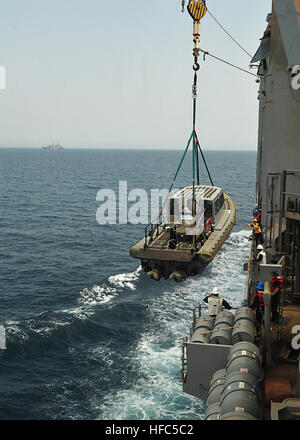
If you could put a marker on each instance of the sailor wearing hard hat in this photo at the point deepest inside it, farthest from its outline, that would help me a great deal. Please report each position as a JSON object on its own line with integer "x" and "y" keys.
{"x": 261, "y": 256}
{"x": 215, "y": 303}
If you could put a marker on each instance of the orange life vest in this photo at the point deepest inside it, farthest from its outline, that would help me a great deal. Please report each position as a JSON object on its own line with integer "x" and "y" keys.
{"x": 260, "y": 296}
{"x": 277, "y": 279}
{"x": 207, "y": 224}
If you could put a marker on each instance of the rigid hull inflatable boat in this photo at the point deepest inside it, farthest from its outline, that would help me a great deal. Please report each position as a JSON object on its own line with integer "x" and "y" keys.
{"x": 178, "y": 250}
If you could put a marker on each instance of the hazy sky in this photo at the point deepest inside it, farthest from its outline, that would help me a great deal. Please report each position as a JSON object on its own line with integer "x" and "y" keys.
{"x": 95, "y": 73}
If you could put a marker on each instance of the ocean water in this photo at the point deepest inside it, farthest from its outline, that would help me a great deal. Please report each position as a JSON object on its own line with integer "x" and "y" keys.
{"x": 89, "y": 336}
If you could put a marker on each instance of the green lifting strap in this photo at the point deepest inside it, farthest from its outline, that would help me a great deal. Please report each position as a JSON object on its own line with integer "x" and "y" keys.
{"x": 181, "y": 162}
{"x": 173, "y": 182}
{"x": 194, "y": 174}
{"x": 196, "y": 147}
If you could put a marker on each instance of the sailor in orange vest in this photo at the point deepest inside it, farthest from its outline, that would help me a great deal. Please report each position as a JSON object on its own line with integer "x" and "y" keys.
{"x": 208, "y": 225}
{"x": 257, "y": 231}
{"x": 215, "y": 303}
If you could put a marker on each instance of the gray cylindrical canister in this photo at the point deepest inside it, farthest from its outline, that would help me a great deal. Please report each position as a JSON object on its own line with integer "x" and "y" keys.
{"x": 244, "y": 361}
{"x": 219, "y": 374}
{"x": 216, "y": 387}
{"x": 240, "y": 398}
{"x": 202, "y": 335}
{"x": 205, "y": 322}
{"x": 221, "y": 334}
{"x": 249, "y": 347}
{"x": 212, "y": 412}
{"x": 244, "y": 313}
{"x": 243, "y": 330}
{"x": 225, "y": 317}
{"x": 237, "y": 416}
{"x": 238, "y": 376}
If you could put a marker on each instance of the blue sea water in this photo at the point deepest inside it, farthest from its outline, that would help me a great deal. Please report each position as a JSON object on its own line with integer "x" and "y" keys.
{"x": 89, "y": 336}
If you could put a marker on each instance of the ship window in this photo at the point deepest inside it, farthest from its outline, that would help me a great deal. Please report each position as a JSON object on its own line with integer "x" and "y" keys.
{"x": 219, "y": 203}
{"x": 208, "y": 208}
{"x": 171, "y": 206}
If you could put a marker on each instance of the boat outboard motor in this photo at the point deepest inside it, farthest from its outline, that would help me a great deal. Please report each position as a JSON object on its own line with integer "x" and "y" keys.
{"x": 178, "y": 276}
{"x": 154, "y": 274}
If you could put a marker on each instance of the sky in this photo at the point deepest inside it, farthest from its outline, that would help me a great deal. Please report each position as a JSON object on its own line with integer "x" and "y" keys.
{"x": 118, "y": 74}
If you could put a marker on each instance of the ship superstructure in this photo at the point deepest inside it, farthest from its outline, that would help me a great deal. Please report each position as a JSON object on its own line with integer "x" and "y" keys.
{"x": 258, "y": 375}
{"x": 53, "y": 147}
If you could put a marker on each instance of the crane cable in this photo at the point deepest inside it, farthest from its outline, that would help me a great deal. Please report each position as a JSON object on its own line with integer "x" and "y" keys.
{"x": 205, "y": 52}
{"x": 228, "y": 33}
{"x": 197, "y": 49}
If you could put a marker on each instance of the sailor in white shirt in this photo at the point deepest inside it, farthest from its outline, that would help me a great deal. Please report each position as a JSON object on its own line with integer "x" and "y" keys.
{"x": 261, "y": 256}
{"x": 215, "y": 303}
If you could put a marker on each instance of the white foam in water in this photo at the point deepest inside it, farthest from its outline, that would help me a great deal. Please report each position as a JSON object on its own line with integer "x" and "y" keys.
{"x": 125, "y": 280}
{"x": 157, "y": 392}
{"x": 88, "y": 299}
{"x": 14, "y": 333}
{"x": 97, "y": 295}
{"x": 107, "y": 291}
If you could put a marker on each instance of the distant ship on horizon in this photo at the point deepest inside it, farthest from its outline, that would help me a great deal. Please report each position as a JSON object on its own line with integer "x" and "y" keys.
{"x": 53, "y": 147}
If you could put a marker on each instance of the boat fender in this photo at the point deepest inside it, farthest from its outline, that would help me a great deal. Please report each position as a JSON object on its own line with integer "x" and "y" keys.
{"x": 154, "y": 274}
{"x": 178, "y": 276}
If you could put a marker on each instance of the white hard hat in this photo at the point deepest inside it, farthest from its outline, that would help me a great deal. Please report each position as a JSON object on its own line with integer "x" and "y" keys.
{"x": 259, "y": 247}
{"x": 215, "y": 291}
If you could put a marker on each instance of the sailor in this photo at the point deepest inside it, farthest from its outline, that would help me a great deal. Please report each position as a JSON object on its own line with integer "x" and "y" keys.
{"x": 257, "y": 230}
{"x": 258, "y": 215}
{"x": 261, "y": 256}
{"x": 276, "y": 284}
{"x": 255, "y": 210}
{"x": 215, "y": 303}
{"x": 258, "y": 305}
{"x": 208, "y": 225}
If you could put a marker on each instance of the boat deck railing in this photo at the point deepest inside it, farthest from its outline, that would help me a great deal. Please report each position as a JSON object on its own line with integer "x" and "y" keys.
{"x": 150, "y": 230}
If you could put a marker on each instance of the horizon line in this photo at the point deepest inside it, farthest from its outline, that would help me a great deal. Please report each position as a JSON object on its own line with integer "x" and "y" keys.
{"x": 127, "y": 148}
